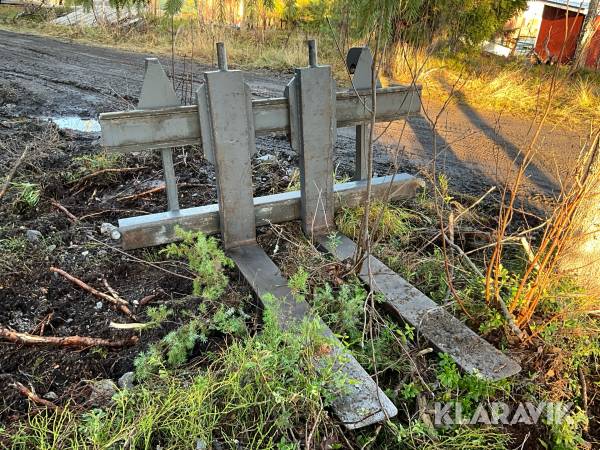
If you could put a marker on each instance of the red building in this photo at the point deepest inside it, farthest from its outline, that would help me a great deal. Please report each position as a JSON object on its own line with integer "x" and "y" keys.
{"x": 560, "y": 27}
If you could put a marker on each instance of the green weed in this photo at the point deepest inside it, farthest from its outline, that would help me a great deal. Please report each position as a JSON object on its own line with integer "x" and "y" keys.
{"x": 253, "y": 394}
{"x": 343, "y": 309}
{"x": 172, "y": 351}
{"x": 426, "y": 272}
{"x": 14, "y": 246}
{"x": 298, "y": 284}
{"x": 205, "y": 258}
{"x": 230, "y": 321}
{"x": 566, "y": 434}
{"x": 389, "y": 348}
{"x": 158, "y": 315}
{"x": 468, "y": 389}
{"x": 417, "y": 435}
{"x": 98, "y": 161}
{"x": 28, "y": 194}
{"x": 391, "y": 220}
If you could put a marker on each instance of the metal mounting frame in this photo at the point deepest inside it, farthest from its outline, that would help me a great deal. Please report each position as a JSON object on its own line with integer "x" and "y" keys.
{"x": 226, "y": 121}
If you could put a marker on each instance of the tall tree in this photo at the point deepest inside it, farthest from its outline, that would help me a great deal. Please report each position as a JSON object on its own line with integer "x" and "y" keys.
{"x": 588, "y": 29}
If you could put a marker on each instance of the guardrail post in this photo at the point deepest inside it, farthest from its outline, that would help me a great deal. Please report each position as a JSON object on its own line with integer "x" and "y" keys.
{"x": 359, "y": 62}
{"x": 312, "y": 98}
{"x": 157, "y": 92}
{"x": 227, "y": 130}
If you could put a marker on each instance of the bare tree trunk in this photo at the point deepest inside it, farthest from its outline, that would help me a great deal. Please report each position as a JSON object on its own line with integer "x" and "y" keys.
{"x": 588, "y": 28}
{"x": 582, "y": 258}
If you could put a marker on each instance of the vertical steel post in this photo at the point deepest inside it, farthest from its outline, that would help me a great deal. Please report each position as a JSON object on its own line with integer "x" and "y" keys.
{"x": 359, "y": 61}
{"x": 221, "y": 56}
{"x": 157, "y": 92}
{"x": 361, "y": 159}
{"x": 311, "y": 95}
{"x": 227, "y": 124}
{"x": 170, "y": 179}
{"x": 312, "y": 53}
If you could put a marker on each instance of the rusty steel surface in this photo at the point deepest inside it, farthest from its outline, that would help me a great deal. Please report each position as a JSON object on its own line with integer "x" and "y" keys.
{"x": 448, "y": 334}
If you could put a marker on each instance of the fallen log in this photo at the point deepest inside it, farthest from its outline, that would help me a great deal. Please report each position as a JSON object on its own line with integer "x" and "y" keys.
{"x": 118, "y": 303}
{"x": 66, "y": 341}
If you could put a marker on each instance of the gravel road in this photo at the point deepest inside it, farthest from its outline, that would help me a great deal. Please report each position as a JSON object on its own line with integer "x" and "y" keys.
{"x": 44, "y": 77}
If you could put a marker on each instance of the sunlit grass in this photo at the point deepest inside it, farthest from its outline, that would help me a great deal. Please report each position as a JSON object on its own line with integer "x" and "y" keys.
{"x": 512, "y": 86}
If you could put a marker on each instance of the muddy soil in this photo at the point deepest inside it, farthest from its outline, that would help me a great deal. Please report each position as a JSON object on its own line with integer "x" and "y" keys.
{"x": 35, "y": 237}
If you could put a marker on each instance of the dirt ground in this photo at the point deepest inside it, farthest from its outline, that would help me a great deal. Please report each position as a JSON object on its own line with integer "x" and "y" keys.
{"x": 45, "y": 78}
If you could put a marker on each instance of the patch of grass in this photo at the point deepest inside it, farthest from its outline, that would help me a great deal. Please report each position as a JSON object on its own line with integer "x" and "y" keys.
{"x": 391, "y": 221}
{"x": 567, "y": 434}
{"x": 389, "y": 346}
{"x": 469, "y": 389}
{"x": 417, "y": 435}
{"x": 28, "y": 194}
{"x": 88, "y": 164}
{"x": 254, "y": 394}
{"x": 13, "y": 251}
{"x": 512, "y": 85}
{"x": 14, "y": 246}
{"x": 99, "y": 161}
{"x": 424, "y": 271}
{"x": 341, "y": 308}
{"x": 230, "y": 321}
{"x": 9, "y": 12}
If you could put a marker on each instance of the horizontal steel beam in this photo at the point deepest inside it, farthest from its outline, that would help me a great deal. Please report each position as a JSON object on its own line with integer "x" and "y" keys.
{"x": 362, "y": 403}
{"x": 140, "y": 130}
{"x": 448, "y": 334}
{"x": 157, "y": 229}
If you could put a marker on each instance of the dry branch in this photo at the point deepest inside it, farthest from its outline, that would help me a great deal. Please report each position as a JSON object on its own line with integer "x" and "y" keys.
{"x": 114, "y": 293}
{"x": 113, "y": 210}
{"x": 100, "y": 172}
{"x": 12, "y": 172}
{"x": 67, "y": 341}
{"x": 68, "y": 213}
{"x": 147, "y": 299}
{"x": 34, "y": 397}
{"x": 121, "y": 305}
{"x": 39, "y": 328}
{"x": 142, "y": 194}
{"x": 129, "y": 326}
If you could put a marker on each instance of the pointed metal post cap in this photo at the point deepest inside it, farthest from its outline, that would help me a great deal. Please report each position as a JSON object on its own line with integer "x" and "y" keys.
{"x": 359, "y": 61}
{"x": 157, "y": 89}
